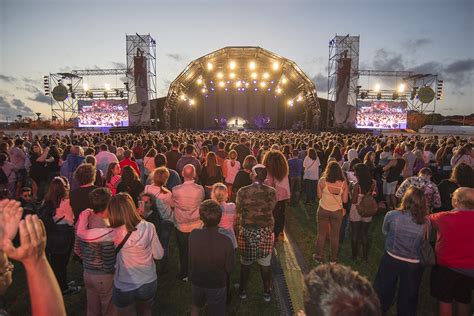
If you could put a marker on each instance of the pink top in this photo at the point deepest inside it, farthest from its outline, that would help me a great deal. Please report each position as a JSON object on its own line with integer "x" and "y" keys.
{"x": 228, "y": 216}
{"x": 64, "y": 210}
{"x": 231, "y": 172}
{"x": 112, "y": 185}
{"x": 282, "y": 187}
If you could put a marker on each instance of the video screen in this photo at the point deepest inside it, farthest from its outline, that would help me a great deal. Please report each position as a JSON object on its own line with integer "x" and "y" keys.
{"x": 381, "y": 115}
{"x": 103, "y": 113}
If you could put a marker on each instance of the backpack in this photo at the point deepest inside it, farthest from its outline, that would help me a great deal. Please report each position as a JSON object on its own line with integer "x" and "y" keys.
{"x": 3, "y": 177}
{"x": 367, "y": 206}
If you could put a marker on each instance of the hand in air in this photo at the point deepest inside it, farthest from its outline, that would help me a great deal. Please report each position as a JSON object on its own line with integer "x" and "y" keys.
{"x": 10, "y": 216}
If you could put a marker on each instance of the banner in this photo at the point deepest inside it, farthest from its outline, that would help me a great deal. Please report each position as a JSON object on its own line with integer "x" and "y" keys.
{"x": 342, "y": 108}
{"x": 139, "y": 113}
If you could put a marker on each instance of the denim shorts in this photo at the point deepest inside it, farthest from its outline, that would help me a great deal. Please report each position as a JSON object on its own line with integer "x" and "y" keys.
{"x": 144, "y": 293}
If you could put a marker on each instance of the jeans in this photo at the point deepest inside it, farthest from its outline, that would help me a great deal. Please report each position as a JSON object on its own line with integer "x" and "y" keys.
{"x": 295, "y": 188}
{"x": 183, "y": 244}
{"x": 279, "y": 216}
{"x": 385, "y": 284}
{"x": 329, "y": 223}
{"x": 145, "y": 293}
{"x": 310, "y": 190}
{"x": 164, "y": 233}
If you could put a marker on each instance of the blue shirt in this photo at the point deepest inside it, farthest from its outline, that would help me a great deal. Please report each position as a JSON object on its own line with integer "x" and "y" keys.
{"x": 296, "y": 167}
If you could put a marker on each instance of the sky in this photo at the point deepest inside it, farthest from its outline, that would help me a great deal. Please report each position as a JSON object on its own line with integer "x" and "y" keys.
{"x": 38, "y": 37}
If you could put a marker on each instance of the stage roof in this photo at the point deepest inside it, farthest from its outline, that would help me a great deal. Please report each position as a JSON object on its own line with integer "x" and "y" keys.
{"x": 244, "y": 67}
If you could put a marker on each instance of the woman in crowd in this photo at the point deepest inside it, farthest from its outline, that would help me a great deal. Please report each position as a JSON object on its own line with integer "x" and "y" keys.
{"x": 419, "y": 162}
{"x": 404, "y": 230}
{"x": 113, "y": 177}
{"x": 56, "y": 213}
{"x": 211, "y": 173}
{"x": 165, "y": 208}
{"x": 369, "y": 161}
{"x": 220, "y": 195}
{"x": 242, "y": 178}
{"x": 9, "y": 175}
{"x": 360, "y": 225}
{"x": 311, "y": 165}
{"x": 137, "y": 247}
{"x": 277, "y": 177}
{"x": 39, "y": 170}
{"x": 149, "y": 164}
{"x": 99, "y": 176}
{"x": 230, "y": 169}
{"x": 393, "y": 171}
{"x": 463, "y": 155}
{"x": 462, "y": 176}
{"x": 130, "y": 183}
{"x": 332, "y": 192}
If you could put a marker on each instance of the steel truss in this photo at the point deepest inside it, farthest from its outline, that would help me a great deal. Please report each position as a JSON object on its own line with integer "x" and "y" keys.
{"x": 341, "y": 47}
{"x": 413, "y": 83}
{"x": 147, "y": 46}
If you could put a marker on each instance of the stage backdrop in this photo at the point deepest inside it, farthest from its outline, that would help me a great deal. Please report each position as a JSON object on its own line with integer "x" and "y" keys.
{"x": 253, "y": 107}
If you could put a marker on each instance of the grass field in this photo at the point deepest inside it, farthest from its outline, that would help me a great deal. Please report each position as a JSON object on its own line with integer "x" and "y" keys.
{"x": 173, "y": 297}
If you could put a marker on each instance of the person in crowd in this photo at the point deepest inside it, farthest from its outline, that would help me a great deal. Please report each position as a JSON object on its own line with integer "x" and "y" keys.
{"x": 104, "y": 157}
{"x": 18, "y": 159}
{"x": 148, "y": 206}
{"x": 173, "y": 155}
{"x": 221, "y": 154}
{"x": 221, "y": 195}
{"x": 173, "y": 179}
{"x": 56, "y": 213}
{"x": 311, "y": 166}
{"x": 423, "y": 182}
{"x": 242, "y": 150}
{"x": 137, "y": 248}
{"x": 8, "y": 176}
{"x": 210, "y": 264}
{"x": 333, "y": 289}
{"x": 27, "y": 202}
{"x": 149, "y": 164}
{"x": 79, "y": 198}
{"x": 360, "y": 225}
{"x": 127, "y": 161}
{"x": 39, "y": 169}
{"x": 393, "y": 171}
{"x": 73, "y": 160}
{"x": 230, "y": 168}
{"x": 188, "y": 158}
{"x": 119, "y": 153}
{"x": 45, "y": 294}
{"x": 368, "y": 148}
{"x": 452, "y": 279}
{"x": 254, "y": 209}
{"x": 186, "y": 197}
{"x": 463, "y": 155}
{"x": 443, "y": 158}
{"x": 332, "y": 192}
{"x": 404, "y": 229}
{"x": 99, "y": 176}
{"x": 211, "y": 173}
{"x": 242, "y": 178}
{"x": 295, "y": 171}
{"x": 98, "y": 258}
{"x": 409, "y": 158}
{"x": 277, "y": 177}
{"x": 161, "y": 193}
{"x": 419, "y": 162}
{"x": 462, "y": 176}
{"x": 113, "y": 177}
{"x": 130, "y": 183}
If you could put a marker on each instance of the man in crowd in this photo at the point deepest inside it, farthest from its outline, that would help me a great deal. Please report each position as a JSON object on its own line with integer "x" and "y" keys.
{"x": 188, "y": 158}
{"x": 452, "y": 279}
{"x": 423, "y": 182}
{"x": 18, "y": 159}
{"x": 104, "y": 158}
{"x": 242, "y": 150}
{"x": 210, "y": 263}
{"x": 127, "y": 161}
{"x": 187, "y": 197}
{"x": 174, "y": 179}
{"x": 295, "y": 170}
{"x": 173, "y": 155}
{"x": 254, "y": 209}
{"x": 410, "y": 158}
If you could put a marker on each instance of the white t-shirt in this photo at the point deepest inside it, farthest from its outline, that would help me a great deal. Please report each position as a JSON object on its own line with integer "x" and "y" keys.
{"x": 311, "y": 168}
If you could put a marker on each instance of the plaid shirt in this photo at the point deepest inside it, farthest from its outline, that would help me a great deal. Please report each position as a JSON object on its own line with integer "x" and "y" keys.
{"x": 255, "y": 243}
{"x": 431, "y": 190}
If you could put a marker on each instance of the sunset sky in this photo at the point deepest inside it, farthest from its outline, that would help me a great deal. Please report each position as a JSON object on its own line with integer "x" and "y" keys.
{"x": 41, "y": 37}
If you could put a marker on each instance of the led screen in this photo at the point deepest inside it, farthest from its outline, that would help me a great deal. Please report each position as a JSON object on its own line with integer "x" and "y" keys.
{"x": 103, "y": 113}
{"x": 381, "y": 115}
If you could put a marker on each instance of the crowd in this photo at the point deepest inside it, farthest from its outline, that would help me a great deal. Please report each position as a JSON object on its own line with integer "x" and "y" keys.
{"x": 93, "y": 119}
{"x": 114, "y": 201}
{"x": 381, "y": 119}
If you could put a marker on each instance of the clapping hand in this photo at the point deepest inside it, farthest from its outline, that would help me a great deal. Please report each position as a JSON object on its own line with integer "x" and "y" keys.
{"x": 10, "y": 216}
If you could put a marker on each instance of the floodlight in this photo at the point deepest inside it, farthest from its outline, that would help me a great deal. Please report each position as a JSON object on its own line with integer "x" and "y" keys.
{"x": 276, "y": 65}
{"x": 284, "y": 80}
{"x": 220, "y": 75}
{"x": 232, "y": 75}
{"x": 221, "y": 83}
{"x": 254, "y": 75}
{"x": 377, "y": 87}
{"x": 209, "y": 66}
{"x": 263, "y": 84}
{"x": 252, "y": 65}
{"x": 199, "y": 81}
{"x": 107, "y": 86}
{"x": 266, "y": 75}
{"x": 232, "y": 65}
{"x": 85, "y": 86}
{"x": 401, "y": 87}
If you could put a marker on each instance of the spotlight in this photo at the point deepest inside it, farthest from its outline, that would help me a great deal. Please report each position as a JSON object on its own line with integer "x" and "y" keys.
{"x": 284, "y": 80}
{"x": 252, "y": 65}
{"x": 276, "y": 65}
{"x": 299, "y": 98}
{"x": 221, "y": 84}
{"x": 220, "y": 75}
{"x": 254, "y": 82}
{"x": 269, "y": 89}
{"x": 266, "y": 75}
{"x": 226, "y": 89}
{"x": 203, "y": 90}
{"x": 191, "y": 102}
{"x": 199, "y": 81}
{"x": 254, "y": 75}
{"x": 232, "y": 75}
{"x": 401, "y": 88}
{"x": 377, "y": 87}
{"x": 232, "y": 65}
{"x": 183, "y": 97}
{"x": 278, "y": 90}
{"x": 263, "y": 84}
{"x": 247, "y": 84}
{"x": 238, "y": 83}
{"x": 256, "y": 89}
{"x": 209, "y": 66}
{"x": 85, "y": 86}
{"x": 290, "y": 102}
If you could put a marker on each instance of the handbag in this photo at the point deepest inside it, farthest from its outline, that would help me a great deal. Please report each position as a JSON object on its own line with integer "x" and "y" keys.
{"x": 427, "y": 254}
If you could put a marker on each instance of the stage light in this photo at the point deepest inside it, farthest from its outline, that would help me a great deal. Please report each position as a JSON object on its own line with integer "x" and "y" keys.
{"x": 238, "y": 83}
{"x": 85, "y": 87}
{"x": 278, "y": 90}
{"x": 377, "y": 87}
{"x": 266, "y": 75}
{"x": 232, "y": 75}
{"x": 183, "y": 97}
{"x": 191, "y": 102}
{"x": 212, "y": 89}
{"x": 401, "y": 87}
{"x": 203, "y": 90}
{"x": 247, "y": 84}
{"x": 243, "y": 89}
{"x": 209, "y": 66}
{"x": 199, "y": 81}
{"x": 263, "y": 84}
{"x": 220, "y": 75}
{"x": 379, "y": 96}
{"x": 228, "y": 81}
{"x": 226, "y": 89}
{"x": 221, "y": 83}
{"x": 252, "y": 65}
{"x": 272, "y": 82}
{"x": 254, "y": 75}
{"x": 232, "y": 65}
{"x": 276, "y": 65}
{"x": 290, "y": 102}
{"x": 284, "y": 80}
{"x": 254, "y": 82}
{"x": 269, "y": 89}
{"x": 299, "y": 98}
{"x": 107, "y": 86}
{"x": 256, "y": 89}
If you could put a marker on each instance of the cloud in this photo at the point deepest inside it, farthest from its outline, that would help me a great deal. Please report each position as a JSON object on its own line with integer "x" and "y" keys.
{"x": 40, "y": 97}
{"x": 175, "y": 56}
{"x": 413, "y": 45}
{"x": 321, "y": 82}
{"x": 7, "y": 78}
{"x": 385, "y": 60}
{"x": 16, "y": 107}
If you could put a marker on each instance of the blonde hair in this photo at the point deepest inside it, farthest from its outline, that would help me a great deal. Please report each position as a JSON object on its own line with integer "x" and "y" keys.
{"x": 160, "y": 176}
{"x": 122, "y": 211}
{"x": 219, "y": 192}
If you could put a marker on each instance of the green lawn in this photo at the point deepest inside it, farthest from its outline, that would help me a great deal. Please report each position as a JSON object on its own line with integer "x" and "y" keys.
{"x": 173, "y": 298}
{"x": 301, "y": 224}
